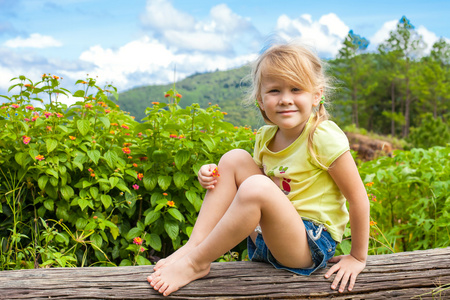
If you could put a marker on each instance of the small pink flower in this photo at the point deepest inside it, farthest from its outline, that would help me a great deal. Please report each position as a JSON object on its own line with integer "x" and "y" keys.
{"x": 29, "y": 107}
{"x": 48, "y": 114}
{"x": 26, "y": 139}
{"x": 126, "y": 150}
{"x": 125, "y": 126}
{"x": 15, "y": 106}
{"x": 40, "y": 157}
{"x": 135, "y": 186}
{"x": 140, "y": 176}
{"x": 137, "y": 241}
{"x": 88, "y": 105}
{"x": 142, "y": 249}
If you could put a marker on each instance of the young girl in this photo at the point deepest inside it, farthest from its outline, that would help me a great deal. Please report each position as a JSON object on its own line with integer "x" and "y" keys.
{"x": 292, "y": 190}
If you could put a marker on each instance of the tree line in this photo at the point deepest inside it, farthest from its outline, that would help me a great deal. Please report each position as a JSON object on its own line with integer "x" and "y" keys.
{"x": 393, "y": 89}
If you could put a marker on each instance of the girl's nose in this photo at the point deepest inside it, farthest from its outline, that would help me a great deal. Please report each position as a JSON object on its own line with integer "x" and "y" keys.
{"x": 286, "y": 99}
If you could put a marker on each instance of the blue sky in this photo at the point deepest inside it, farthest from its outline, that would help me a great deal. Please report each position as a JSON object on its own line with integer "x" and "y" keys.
{"x": 139, "y": 42}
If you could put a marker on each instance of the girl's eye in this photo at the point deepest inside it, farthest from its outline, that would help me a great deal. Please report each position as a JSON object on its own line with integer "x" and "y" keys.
{"x": 273, "y": 91}
{"x": 296, "y": 90}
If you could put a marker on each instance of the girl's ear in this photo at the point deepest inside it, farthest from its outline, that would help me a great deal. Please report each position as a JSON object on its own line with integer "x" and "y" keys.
{"x": 317, "y": 98}
{"x": 260, "y": 103}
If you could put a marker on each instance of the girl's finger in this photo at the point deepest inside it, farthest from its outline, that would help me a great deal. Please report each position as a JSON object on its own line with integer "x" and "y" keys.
{"x": 344, "y": 282}
{"x": 352, "y": 282}
{"x": 337, "y": 279}
{"x": 331, "y": 271}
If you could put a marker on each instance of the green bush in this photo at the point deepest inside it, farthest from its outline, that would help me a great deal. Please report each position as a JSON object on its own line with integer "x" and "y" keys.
{"x": 410, "y": 200}
{"x": 431, "y": 132}
{"x": 88, "y": 185}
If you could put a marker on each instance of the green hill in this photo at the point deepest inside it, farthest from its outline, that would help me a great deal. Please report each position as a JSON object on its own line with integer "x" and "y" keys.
{"x": 225, "y": 88}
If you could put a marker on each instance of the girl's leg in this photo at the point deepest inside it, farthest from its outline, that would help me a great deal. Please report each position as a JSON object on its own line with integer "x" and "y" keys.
{"x": 258, "y": 200}
{"x": 234, "y": 167}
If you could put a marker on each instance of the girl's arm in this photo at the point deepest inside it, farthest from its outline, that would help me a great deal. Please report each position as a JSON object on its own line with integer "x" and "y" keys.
{"x": 345, "y": 173}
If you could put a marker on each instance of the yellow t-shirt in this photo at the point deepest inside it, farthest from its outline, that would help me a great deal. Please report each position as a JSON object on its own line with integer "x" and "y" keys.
{"x": 308, "y": 185}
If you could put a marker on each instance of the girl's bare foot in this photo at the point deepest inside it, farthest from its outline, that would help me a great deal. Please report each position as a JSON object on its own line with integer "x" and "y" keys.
{"x": 176, "y": 275}
{"x": 173, "y": 257}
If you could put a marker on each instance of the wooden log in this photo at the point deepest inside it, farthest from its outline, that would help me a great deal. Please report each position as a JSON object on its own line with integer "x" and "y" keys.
{"x": 406, "y": 275}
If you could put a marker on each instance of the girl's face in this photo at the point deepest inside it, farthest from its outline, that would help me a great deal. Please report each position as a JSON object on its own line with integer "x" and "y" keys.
{"x": 287, "y": 106}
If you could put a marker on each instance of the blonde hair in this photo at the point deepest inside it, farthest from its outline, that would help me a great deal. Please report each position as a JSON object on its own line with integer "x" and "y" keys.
{"x": 299, "y": 66}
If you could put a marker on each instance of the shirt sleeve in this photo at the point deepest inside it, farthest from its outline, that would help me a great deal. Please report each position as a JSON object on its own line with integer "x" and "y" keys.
{"x": 330, "y": 142}
{"x": 259, "y": 141}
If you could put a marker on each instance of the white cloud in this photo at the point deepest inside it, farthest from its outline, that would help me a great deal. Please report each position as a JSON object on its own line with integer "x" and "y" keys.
{"x": 428, "y": 37}
{"x": 326, "y": 34}
{"x": 161, "y": 15}
{"x": 222, "y": 30}
{"x": 148, "y": 61}
{"x": 382, "y": 34}
{"x": 35, "y": 40}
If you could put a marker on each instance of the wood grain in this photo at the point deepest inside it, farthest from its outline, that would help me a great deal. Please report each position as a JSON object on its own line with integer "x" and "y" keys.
{"x": 407, "y": 275}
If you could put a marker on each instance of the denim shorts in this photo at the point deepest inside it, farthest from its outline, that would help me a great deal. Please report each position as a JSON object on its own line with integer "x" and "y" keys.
{"x": 321, "y": 245}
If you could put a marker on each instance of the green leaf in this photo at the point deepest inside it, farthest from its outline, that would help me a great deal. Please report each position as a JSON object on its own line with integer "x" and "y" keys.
{"x": 97, "y": 240}
{"x": 81, "y": 223}
{"x": 134, "y": 232}
{"x": 83, "y": 126}
{"x": 106, "y": 200}
{"x": 79, "y": 93}
{"x": 194, "y": 199}
{"x": 111, "y": 158}
{"x": 151, "y": 217}
{"x": 105, "y": 122}
{"x": 142, "y": 261}
{"x": 181, "y": 158}
{"x": 132, "y": 173}
{"x": 66, "y": 192}
{"x": 94, "y": 192}
{"x": 172, "y": 228}
{"x": 179, "y": 179}
{"x": 20, "y": 158}
{"x": 150, "y": 181}
{"x": 164, "y": 181}
{"x": 155, "y": 242}
{"x": 52, "y": 172}
{"x": 42, "y": 181}
{"x": 209, "y": 142}
{"x": 176, "y": 214}
{"x": 94, "y": 155}
{"x": 51, "y": 144}
{"x": 123, "y": 187}
{"x": 83, "y": 203}
{"x": 63, "y": 128}
{"x": 48, "y": 204}
{"x": 113, "y": 181}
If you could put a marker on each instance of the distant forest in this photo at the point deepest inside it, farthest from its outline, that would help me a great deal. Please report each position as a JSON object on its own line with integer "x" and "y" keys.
{"x": 388, "y": 91}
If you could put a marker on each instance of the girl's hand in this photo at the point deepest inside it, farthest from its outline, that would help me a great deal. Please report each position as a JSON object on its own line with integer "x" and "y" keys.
{"x": 347, "y": 267}
{"x": 207, "y": 176}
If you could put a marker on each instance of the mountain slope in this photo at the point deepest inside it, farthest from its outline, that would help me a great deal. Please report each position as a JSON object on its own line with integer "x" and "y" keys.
{"x": 225, "y": 88}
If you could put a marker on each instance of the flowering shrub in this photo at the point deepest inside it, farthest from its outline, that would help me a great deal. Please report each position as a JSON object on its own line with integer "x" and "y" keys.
{"x": 409, "y": 200}
{"x": 107, "y": 178}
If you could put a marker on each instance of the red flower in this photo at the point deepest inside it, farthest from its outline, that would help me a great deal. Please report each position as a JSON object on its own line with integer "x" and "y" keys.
{"x": 137, "y": 241}
{"x": 26, "y": 139}
{"x": 126, "y": 150}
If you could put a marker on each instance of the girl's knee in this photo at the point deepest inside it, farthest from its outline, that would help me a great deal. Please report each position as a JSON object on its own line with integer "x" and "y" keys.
{"x": 256, "y": 188}
{"x": 237, "y": 157}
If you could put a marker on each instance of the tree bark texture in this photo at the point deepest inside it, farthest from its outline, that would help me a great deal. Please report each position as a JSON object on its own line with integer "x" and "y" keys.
{"x": 407, "y": 275}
